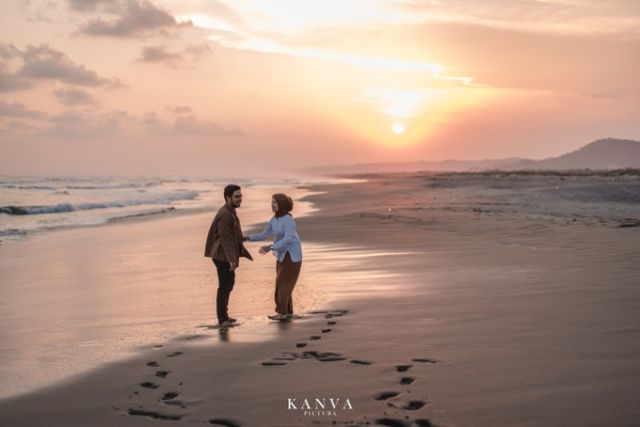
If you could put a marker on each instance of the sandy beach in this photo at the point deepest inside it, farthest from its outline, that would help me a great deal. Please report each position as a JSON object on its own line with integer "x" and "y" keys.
{"x": 448, "y": 300}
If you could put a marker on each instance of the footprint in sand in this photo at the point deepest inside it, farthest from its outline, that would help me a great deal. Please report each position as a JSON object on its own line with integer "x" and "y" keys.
{"x": 162, "y": 374}
{"x": 226, "y": 422}
{"x": 322, "y": 357}
{"x": 301, "y": 344}
{"x": 194, "y": 337}
{"x": 406, "y": 380}
{"x": 331, "y": 358}
{"x": 148, "y": 385}
{"x": 170, "y": 395}
{"x": 330, "y": 314}
{"x": 384, "y": 395}
{"x": 403, "y": 368}
{"x": 425, "y": 360}
{"x": 289, "y": 358}
{"x": 324, "y": 331}
{"x": 393, "y": 422}
{"x": 273, "y": 363}
{"x": 315, "y": 337}
{"x": 334, "y": 312}
{"x": 174, "y": 354}
{"x": 412, "y": 405}
{"x": 153, "y": 364}
{"x": 360, "y": 362}
{"x": 155, "y": 415}
{"x": 331, "y": 323}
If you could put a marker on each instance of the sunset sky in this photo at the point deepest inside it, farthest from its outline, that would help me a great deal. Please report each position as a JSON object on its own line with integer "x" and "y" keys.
{"x": 195, "y": 87}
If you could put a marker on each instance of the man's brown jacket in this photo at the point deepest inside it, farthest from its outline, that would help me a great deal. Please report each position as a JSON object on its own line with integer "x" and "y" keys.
{"x": 225, "y": 238}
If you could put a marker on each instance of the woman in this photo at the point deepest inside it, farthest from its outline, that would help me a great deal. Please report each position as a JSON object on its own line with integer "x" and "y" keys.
{"x": 287, "y": 248}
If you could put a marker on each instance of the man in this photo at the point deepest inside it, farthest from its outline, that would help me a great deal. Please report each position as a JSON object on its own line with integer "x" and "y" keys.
{"x": 224, "y": 246}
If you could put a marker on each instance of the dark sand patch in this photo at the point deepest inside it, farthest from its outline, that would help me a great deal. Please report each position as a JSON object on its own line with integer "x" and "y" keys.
{"x": 384, "y": 395}
{"x": 425, "y": 360}
{"x": 148, "y": 384}
{"x": 170, "y": 395}
{"x": 154, "y": 415}
{"x": 226, "y": 422}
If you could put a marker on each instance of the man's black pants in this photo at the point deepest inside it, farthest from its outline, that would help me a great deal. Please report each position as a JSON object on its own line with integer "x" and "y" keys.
{"x": 226, "y": 279}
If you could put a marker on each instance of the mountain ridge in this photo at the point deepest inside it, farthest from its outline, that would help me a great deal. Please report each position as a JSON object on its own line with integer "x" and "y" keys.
{"x": 601, "y": 154}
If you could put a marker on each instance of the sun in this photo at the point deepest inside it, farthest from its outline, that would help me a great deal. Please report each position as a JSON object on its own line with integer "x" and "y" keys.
{"x": 398, "y": 128}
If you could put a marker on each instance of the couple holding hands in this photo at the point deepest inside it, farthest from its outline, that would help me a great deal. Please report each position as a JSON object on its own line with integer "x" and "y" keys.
{"x": 225, "y": 247}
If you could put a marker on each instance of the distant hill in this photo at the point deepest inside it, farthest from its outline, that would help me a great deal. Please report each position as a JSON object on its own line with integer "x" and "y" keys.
{"x": 606, "y": 153}
{"x": 609, "y": 153}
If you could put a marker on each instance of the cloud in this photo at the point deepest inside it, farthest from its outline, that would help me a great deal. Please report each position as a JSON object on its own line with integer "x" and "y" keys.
{"x": 91, "y": 5}
{"x": 72, "y": 125}
{"x": 190, "y": 125}
{"x": 17, "y": 109}
{"x": 71, "y": 97}
{"x": 508, "y": 58}
{"x": 160, "y": 54}
{"x": 299, "y": 39}
{"x": 10, "y": 59}
{"x": 11, "y": 82}
{"x": 23, "y": 69}
{"x": 429, "y": 35}
{"x": 44, "y": 63}
{"x": 37, "y": 10}
{"x": 13, "y": 127}
{"x": 180, "y": 109}
{"x": 132, "y": 18}
{"x": 187, "y": 125}
{"x": 560, "y": 16}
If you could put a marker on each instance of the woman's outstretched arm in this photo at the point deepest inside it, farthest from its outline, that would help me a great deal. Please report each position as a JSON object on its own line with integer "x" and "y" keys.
{"x": 268, "y": 231}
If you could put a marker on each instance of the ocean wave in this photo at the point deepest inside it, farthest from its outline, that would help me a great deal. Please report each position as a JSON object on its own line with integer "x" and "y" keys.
{"x": 12, "y": 232}
{"x": 15, "y": 232}
{"x": 30, "y": 187}
{"x": 82, "y": 185}
{"x": 68, "y": 207}
{"x": 141, "y": 214}
{"x": 114, "y": 187}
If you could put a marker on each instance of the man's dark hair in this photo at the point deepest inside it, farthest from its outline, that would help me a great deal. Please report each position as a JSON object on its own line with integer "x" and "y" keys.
{"x": 229, "y": 190}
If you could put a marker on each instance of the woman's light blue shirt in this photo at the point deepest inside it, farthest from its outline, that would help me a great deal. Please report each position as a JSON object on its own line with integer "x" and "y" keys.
{"x": 285, "y": 239}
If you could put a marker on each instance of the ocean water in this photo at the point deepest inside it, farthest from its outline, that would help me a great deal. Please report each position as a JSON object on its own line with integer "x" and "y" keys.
{"x": 30, "y": 205}
{"x": 80, "y": 287}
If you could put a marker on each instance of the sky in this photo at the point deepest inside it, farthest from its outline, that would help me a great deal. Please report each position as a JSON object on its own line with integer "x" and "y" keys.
{"x": 251, "y": 87}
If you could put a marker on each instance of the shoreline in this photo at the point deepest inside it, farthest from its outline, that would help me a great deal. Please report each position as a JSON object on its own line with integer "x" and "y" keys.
{"x": 154, "y": 214}
{"x": 101, "y": 293}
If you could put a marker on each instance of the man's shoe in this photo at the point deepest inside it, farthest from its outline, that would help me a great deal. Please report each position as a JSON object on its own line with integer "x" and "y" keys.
{"x": 227, "y": 323}
{"x": 231, "y": 319}
{"x": 279, "y": 317}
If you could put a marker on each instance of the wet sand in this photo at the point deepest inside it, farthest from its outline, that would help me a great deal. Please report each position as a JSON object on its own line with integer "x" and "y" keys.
{"x": 448, "y": 301}
{"x": 74, "y": 299}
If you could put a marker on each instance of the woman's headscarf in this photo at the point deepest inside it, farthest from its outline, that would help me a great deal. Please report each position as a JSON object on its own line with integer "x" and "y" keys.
{"x": 285, "y": 204}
